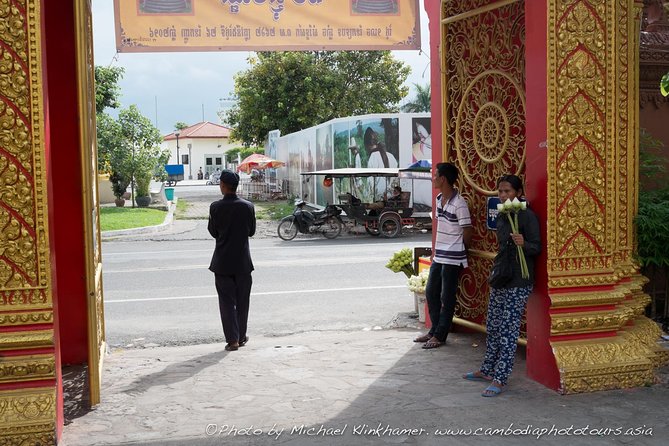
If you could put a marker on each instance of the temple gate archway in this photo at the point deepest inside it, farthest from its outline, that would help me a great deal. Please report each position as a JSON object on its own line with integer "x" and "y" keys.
{"x": 575, "y": 82}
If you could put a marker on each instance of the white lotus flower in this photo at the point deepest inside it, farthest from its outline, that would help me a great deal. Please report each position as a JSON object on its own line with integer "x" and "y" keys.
{"x": 523, "y": 205}
{"x": 500, "y": 207}
{"x": 516, "y": 203}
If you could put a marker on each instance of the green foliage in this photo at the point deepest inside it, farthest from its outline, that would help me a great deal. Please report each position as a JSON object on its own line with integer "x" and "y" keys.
{"x": 107, "y": 90}
{"x": 652, "y": 220}
{"x": 274, "y": 210}
{"x": 291, "y": 91}
{"x": 119, "y": 184}
{"x": 421, "y": 103}
{"x": 664, "y": 85}
{"x": 126, "y": 218}
{"x": 129, "y": 147}
{"x": 243, "y": 152}
{"x": 180, "y": 126}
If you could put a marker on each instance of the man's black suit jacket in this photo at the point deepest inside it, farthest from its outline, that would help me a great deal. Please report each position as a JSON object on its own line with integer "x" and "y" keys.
{"x": 232, "y": 220}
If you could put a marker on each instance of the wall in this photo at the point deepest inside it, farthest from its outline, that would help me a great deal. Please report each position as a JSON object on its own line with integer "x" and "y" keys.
{"x": 342, "y": 142}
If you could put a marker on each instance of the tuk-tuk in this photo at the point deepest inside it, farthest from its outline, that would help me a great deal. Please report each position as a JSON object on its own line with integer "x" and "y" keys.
{"x": 382, "y": 215}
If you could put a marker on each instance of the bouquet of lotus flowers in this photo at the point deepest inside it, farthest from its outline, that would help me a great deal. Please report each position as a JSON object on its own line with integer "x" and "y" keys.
{"x": 402, "y": 261}
{"x": 511, "y": 209}
{"x": 417, "y": 283}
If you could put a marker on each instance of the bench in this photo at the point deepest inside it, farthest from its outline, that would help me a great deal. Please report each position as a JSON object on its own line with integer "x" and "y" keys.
{"x": 157, "y": 192}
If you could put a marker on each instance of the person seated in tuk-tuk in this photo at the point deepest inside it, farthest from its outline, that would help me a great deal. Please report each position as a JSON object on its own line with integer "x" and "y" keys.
{"x": 396, "y": 198}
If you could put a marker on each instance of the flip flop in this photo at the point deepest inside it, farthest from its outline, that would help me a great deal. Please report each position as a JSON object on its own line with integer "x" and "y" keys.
{"x": 472, "y": 376}
{"x": 493, "y": 389}
{"x": 432, "y": 344}
{"x": 423, "y": 338}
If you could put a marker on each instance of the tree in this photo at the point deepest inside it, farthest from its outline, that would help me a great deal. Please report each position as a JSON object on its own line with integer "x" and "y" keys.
{"x": 130, "y": 147}
{"x": 107, "y": 90}
{"x": 291, "y": 91}
{"x": 421, "y": 103}
{"x": 180, "y": 126}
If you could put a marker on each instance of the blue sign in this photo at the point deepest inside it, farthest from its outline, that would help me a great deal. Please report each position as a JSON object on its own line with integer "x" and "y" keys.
{"x": 492, "y": 213}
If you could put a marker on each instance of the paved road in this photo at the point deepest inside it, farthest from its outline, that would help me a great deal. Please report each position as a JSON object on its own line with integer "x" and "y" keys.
{"x": 160, "y": 291}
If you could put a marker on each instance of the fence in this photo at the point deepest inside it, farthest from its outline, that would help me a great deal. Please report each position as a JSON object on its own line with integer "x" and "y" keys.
{"x": 259, "y": 190}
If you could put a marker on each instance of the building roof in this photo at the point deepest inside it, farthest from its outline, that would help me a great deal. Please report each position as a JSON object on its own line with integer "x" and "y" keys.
{"x": 204, "y": 129}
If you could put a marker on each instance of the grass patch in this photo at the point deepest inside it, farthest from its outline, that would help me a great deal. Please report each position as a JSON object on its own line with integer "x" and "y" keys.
{"x": 273, "y": 210}
{"x": 112, "y": 219}
{"x": 182, "y": 206}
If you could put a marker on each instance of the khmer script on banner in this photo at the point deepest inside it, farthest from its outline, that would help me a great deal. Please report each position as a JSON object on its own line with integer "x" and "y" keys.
{"x": 261, "y": 25}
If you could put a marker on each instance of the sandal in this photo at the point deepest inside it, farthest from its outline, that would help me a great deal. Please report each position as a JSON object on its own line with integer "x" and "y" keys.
{"x": 231, "y": 347}
{"x": 243, "y": 342}
{"x": 424, "y": 338}
{"x": 492, "y": 390}
{"x": 432, "y": 344}
{"x": 476, "y": 376}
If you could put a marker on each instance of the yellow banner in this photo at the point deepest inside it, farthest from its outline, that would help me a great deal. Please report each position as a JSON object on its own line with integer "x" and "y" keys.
{"x": 262, "y": 25}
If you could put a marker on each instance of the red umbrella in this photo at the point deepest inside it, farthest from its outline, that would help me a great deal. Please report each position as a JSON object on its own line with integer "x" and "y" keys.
{"x": 258, "y": 161}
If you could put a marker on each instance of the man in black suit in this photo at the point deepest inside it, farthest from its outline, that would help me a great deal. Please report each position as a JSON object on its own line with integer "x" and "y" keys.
{"x": 232, "y": 220}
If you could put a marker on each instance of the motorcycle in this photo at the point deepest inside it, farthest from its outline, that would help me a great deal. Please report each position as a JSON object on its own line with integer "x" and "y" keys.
{"x": 327, "y": 222}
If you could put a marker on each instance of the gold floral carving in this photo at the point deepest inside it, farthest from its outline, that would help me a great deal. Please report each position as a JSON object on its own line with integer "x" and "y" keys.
{"x": 484, "y": 119}
{"x": 28, "y": 412}
{"x": 646, "y": 332}
{"x": 24, "y": 274}
{"x": 26, "y": 339}
{"x": 609, "y": 363}
{"x": 26, "y": 318}
{"x": 39, "y": 434}
{"x": 590, "y": 321}
{"x": 27, "y": 368}
{"x": 587, "y": 298}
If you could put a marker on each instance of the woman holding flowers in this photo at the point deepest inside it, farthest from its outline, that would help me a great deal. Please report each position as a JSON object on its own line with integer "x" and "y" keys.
{"x": 517, "y": 226}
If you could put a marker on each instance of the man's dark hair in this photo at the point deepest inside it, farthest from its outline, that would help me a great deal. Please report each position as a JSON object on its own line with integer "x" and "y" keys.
{"x": 448, "y": 171}
{"x": 230, "y": 179}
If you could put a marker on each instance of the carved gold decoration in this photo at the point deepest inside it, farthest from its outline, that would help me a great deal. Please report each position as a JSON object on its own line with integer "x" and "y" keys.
{"x": 590, "y": 321}
{"x": 579, "y": 130}
{"x": 28, "y": 413}
{"x": 86, "y": 90}
{"x": 587, "y": 298}
{"x": 26, "y": 318}
{"x": 608, "y": 363}
{"x": 27, "y": 368}
{"x": 24, "y": 274}
{"x": 26, "y": 339}
{"x": 646, "y": 332}
{"x": 484, "y": 119}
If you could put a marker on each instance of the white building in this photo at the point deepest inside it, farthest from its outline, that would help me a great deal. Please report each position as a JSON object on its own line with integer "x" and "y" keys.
{"x": 200, "y": 146}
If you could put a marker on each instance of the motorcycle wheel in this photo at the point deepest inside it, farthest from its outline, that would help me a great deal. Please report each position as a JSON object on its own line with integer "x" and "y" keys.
{"x": 390, "y": 226}
{"x": 287, "y": 229}
{"x": 332, "y": 228}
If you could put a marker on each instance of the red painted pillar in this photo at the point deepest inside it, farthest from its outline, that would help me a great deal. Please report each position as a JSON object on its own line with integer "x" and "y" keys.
{"x": 66, "y": 198}
{"x": 541, "y": 365}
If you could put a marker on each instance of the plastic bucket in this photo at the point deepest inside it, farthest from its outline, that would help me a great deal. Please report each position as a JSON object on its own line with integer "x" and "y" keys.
{"x": 169, "y": 193}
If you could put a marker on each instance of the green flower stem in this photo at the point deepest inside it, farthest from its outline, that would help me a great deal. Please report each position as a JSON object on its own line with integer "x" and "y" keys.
{"x": 524, "y": 271}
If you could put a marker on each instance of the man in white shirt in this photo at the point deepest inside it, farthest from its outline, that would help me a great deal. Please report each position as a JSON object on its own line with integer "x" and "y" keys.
{"x": 454, "y": 233}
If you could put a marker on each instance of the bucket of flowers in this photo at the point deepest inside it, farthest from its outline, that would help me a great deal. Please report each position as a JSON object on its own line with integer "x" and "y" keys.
{"x": 416, "y": 284}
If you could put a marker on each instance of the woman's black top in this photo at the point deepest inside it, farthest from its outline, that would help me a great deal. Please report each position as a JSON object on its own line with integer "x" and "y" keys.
{"x": 528, "y": 225}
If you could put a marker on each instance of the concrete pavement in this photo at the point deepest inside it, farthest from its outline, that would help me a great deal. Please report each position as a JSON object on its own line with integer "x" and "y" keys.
{"x": 371, "y": 387}
{"x": 366, "y": 387}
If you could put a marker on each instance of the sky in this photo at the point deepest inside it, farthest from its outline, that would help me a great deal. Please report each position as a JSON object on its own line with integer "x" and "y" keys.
{"x": 187, "y": 87}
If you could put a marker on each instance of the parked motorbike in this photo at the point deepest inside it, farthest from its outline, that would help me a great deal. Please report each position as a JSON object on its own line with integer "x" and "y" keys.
{"x": 327, "y": 222}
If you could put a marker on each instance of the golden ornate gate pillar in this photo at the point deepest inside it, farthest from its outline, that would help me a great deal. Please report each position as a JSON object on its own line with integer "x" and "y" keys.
{"x": 28, "y": 359}
{"x": 50, "y": 273}
{"x": 598, "y": 333}
{"x": 548, "y": 90}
